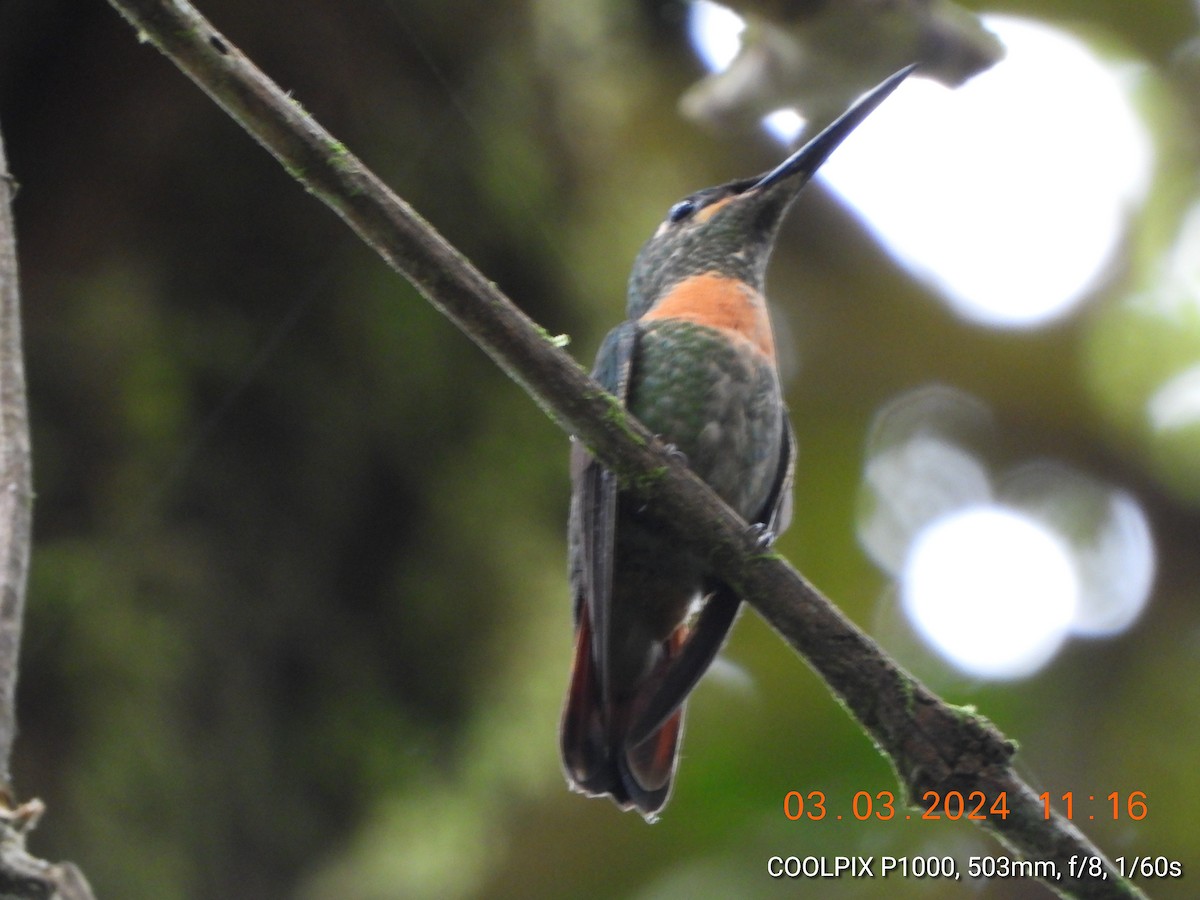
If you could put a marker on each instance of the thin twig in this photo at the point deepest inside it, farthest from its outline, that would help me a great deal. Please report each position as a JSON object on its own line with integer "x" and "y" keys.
{"x": 21, "y": 875}
{"x": 932, "y": 745}
{"x": 16, "y": 487}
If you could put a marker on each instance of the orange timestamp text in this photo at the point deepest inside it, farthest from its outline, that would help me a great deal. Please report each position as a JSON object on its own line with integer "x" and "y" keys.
{"x": 973, "y": 806}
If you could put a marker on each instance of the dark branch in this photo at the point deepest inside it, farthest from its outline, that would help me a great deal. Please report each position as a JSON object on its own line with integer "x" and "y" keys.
{"x": 933, "y": 746}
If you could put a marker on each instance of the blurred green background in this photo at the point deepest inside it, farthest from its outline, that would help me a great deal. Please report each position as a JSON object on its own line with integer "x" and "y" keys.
{"x": 298, "y": 623}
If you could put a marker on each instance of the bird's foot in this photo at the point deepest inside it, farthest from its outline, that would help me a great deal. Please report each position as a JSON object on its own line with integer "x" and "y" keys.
{"x": 763, "y": 536}
{"x": 674, "y": 452}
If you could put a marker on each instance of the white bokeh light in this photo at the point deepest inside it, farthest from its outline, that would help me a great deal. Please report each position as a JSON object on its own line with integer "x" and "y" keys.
{"x": 1108, "y": 534}
{"x": 1117, "y": 573}
{"x": 994, "y": 591}
{"x": 996, "y": 568}
{"x": 1009, "y": 194}
{"x": 785, "y": 124}
{"x": 716, "y": 33}
{"x": 910, "y": 485}
{"x": 1176, "y": 403}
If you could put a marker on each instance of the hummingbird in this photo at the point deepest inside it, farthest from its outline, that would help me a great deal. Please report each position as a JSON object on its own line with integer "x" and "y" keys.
{"x": 695, "y": 362}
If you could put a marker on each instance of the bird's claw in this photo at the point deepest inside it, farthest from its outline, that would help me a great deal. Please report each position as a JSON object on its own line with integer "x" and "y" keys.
{"x": 675, "y": 453}
{"x": 763, "y": 536}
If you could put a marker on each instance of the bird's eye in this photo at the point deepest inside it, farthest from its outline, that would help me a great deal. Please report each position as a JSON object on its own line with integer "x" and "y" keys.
{"x": 681, "y": 210}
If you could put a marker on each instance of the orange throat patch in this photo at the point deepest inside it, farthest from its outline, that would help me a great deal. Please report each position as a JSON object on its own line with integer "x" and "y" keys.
{"x": 720, "y": 302}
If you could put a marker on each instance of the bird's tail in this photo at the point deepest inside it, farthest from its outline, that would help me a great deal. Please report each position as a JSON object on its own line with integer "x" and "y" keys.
{"x": 596, "y": 757}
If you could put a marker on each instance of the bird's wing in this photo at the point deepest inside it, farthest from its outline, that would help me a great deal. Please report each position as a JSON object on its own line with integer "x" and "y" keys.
{"x": 704, "y": 639}
{"x": 594, "y": 515}
{"x": 776, "y": 513}
{"x": 592, "y": 535}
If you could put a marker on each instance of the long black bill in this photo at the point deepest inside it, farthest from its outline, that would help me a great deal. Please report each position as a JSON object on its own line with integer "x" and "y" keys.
{"x": 808, "y": 159}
